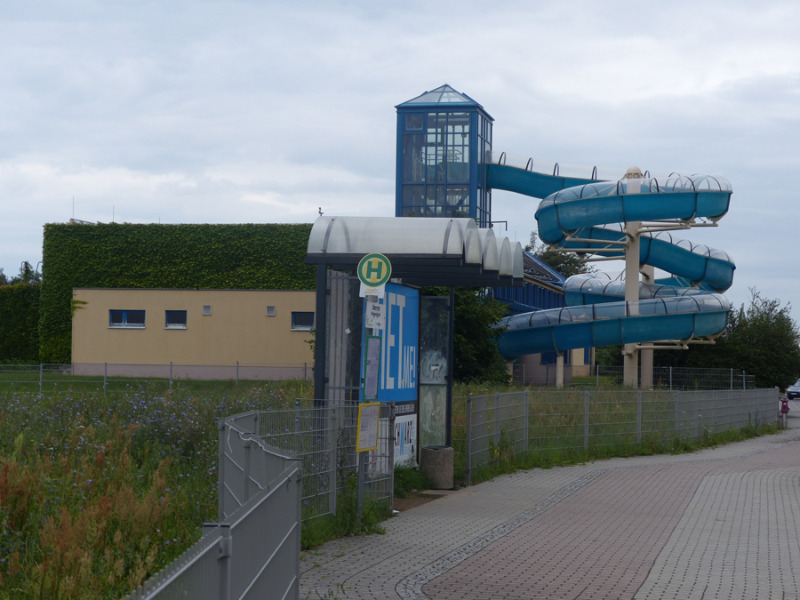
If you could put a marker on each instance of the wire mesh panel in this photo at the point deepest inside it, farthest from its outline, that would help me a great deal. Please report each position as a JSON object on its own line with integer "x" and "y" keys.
{"x": 323, "y": 436}
{"x": 194, "y": 574}
{"x": 493, "y": 428}
{"x": 250, "y": 553}
{"x": 699, "y": 414}
{"x": 614, "y": 418}
{"x": 658, "y": 417}
{"x": 379, "y": 478}
{"x": 557, "y": 420}
{"x": 683, "y": 378}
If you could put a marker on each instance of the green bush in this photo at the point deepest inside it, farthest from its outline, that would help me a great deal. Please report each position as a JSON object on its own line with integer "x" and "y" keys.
{"x": 19, "y": 323}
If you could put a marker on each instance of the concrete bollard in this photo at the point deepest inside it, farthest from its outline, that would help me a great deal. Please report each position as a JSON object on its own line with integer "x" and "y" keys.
{"x": 436, "y": 463}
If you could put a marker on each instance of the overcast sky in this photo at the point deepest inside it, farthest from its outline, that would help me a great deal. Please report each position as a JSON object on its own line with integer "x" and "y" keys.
{"x": 263, "y": 112}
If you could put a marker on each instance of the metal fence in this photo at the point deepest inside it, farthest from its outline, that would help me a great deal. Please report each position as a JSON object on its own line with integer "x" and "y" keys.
{"x": 249, "y": 553}
{"x": 487, "y": 429}
{"x": 254, "y": 550}
{"x": 323, "y": 436}
{"x": 683, "y": 378}
{"x": 665, "y": 378}
{"x": 110, "y": 378}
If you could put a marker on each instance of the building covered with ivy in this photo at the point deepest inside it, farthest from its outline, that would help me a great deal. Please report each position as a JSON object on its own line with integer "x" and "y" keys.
{"x": 265, "y": 260}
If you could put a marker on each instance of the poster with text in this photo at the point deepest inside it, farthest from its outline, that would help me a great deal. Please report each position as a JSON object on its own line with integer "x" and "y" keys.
{"x": 399, "y": 345}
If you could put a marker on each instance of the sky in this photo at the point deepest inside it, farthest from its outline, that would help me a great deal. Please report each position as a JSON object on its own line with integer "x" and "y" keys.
{"x": 270, "y": 112}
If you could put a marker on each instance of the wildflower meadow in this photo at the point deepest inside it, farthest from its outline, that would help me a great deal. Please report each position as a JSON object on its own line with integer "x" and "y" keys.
{"x": 99, "y": 491}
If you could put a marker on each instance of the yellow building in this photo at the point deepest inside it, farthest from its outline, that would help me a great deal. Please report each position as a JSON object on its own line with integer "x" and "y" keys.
{"x": 199, "y": 334}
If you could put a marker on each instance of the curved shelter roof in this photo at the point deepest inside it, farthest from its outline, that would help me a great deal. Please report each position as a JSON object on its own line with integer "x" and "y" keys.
{"x": 429, "y": 251}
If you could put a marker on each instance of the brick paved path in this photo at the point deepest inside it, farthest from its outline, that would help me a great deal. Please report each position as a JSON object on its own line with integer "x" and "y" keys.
{"x": 721, "y": 523}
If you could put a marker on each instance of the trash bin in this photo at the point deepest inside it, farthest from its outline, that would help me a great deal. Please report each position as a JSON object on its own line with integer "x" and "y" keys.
{"x": 436, "y": 463}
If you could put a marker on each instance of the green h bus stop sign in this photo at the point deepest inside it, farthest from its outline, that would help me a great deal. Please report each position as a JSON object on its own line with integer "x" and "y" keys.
{"x": 374, "y": 270}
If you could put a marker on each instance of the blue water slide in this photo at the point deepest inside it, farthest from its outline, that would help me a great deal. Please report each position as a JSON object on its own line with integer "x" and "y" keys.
{"x": 598, "y": 288}
{"x": 588, "y": 216}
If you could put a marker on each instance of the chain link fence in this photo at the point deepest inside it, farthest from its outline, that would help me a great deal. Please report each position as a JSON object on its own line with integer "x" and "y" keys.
{"x": 664, "y": 378}
{"x": 108, "y": 378}
{"x": 488, "y": 429}
{"x": 682, "y": 378}
{"x": 323, "y": 435}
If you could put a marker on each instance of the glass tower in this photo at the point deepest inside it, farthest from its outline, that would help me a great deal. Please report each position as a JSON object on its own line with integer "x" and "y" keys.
{"x": 443, "y": 138}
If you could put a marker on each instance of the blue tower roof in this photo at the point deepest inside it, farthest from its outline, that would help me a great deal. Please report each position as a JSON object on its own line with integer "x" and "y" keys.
{"x": 442, "y": 95}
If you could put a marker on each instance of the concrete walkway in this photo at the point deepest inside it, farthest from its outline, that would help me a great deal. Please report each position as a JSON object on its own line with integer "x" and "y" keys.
{"x": 720, "y": 523}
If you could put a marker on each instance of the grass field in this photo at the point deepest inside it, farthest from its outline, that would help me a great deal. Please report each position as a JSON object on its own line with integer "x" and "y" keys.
{"x": 100, "y": 487}
{"x": 97, "y": 491}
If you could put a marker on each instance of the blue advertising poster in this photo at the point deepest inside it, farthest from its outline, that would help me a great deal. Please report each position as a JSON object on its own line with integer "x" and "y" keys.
{"x": 399, "y": 339}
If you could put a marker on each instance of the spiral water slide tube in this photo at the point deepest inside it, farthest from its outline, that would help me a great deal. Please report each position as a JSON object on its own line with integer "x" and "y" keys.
{"x": 589, "y": 216}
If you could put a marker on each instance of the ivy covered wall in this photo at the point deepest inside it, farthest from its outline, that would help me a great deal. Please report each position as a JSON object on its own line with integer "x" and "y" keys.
{"x": 19, "y": 323}
{"x": 255, "y": 256}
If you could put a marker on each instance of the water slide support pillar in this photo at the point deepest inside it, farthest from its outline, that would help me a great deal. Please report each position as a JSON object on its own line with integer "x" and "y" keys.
{"x": 632, "y": 256}
{"x": 560, "y": 369}
{"x": 646, "y": 354}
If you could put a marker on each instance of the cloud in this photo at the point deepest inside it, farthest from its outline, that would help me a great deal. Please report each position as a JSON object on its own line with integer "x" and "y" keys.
{"x": 249, "y": 111}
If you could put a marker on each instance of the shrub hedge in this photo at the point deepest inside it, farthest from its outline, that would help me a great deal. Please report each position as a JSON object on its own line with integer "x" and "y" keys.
{"x": 250, "y": 256}
{"x": 19, "y": 323}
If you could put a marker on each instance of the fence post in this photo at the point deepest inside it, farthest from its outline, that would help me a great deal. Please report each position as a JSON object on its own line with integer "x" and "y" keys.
{"x": 105, "y": 378}
{"x": 391, "y": 452}
{"x": 362, "y": 464}
{"x": 468, "y": 440}
{"x": 41, "y": 377}
{"x": 586, "y": 420}
{"x": 527, "y": 417}
{"x": 224, "y": 549}
{"x": 237, "y": 372}
{"x": 670, "y": 377}
{"x": 246, "y": 473}
{"x": 221, "y": 473}
{"x": 330, "y": 425}
{"x": 676, "y": 401}
{"x": 744, "y": 379}
{"x": 497, "y": 421}
{"x": 639, "y": 417}
{"x": 257, "y": 423}
{"x": 170, "y": 374}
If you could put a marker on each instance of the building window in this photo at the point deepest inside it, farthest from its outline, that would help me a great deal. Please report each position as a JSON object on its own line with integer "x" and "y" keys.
{"x": 303, "y": 320}
{"x": 270, "y": 311}
{"x": 175, "y": 319}
{"x": 414, "y": 122}
{"x": 127, "y": 319}
{"x": 206, "y": 310}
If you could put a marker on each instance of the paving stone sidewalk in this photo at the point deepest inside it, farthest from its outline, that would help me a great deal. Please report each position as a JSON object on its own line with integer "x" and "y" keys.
{"x": 720, "y": 523}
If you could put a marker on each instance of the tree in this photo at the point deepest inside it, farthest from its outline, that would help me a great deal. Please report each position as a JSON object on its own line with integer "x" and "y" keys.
{"x": 762, "y": 340}
{"x": 566, "y": 263}
{"x": 477, "y": 357}
{"x": 27, "y": 274}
